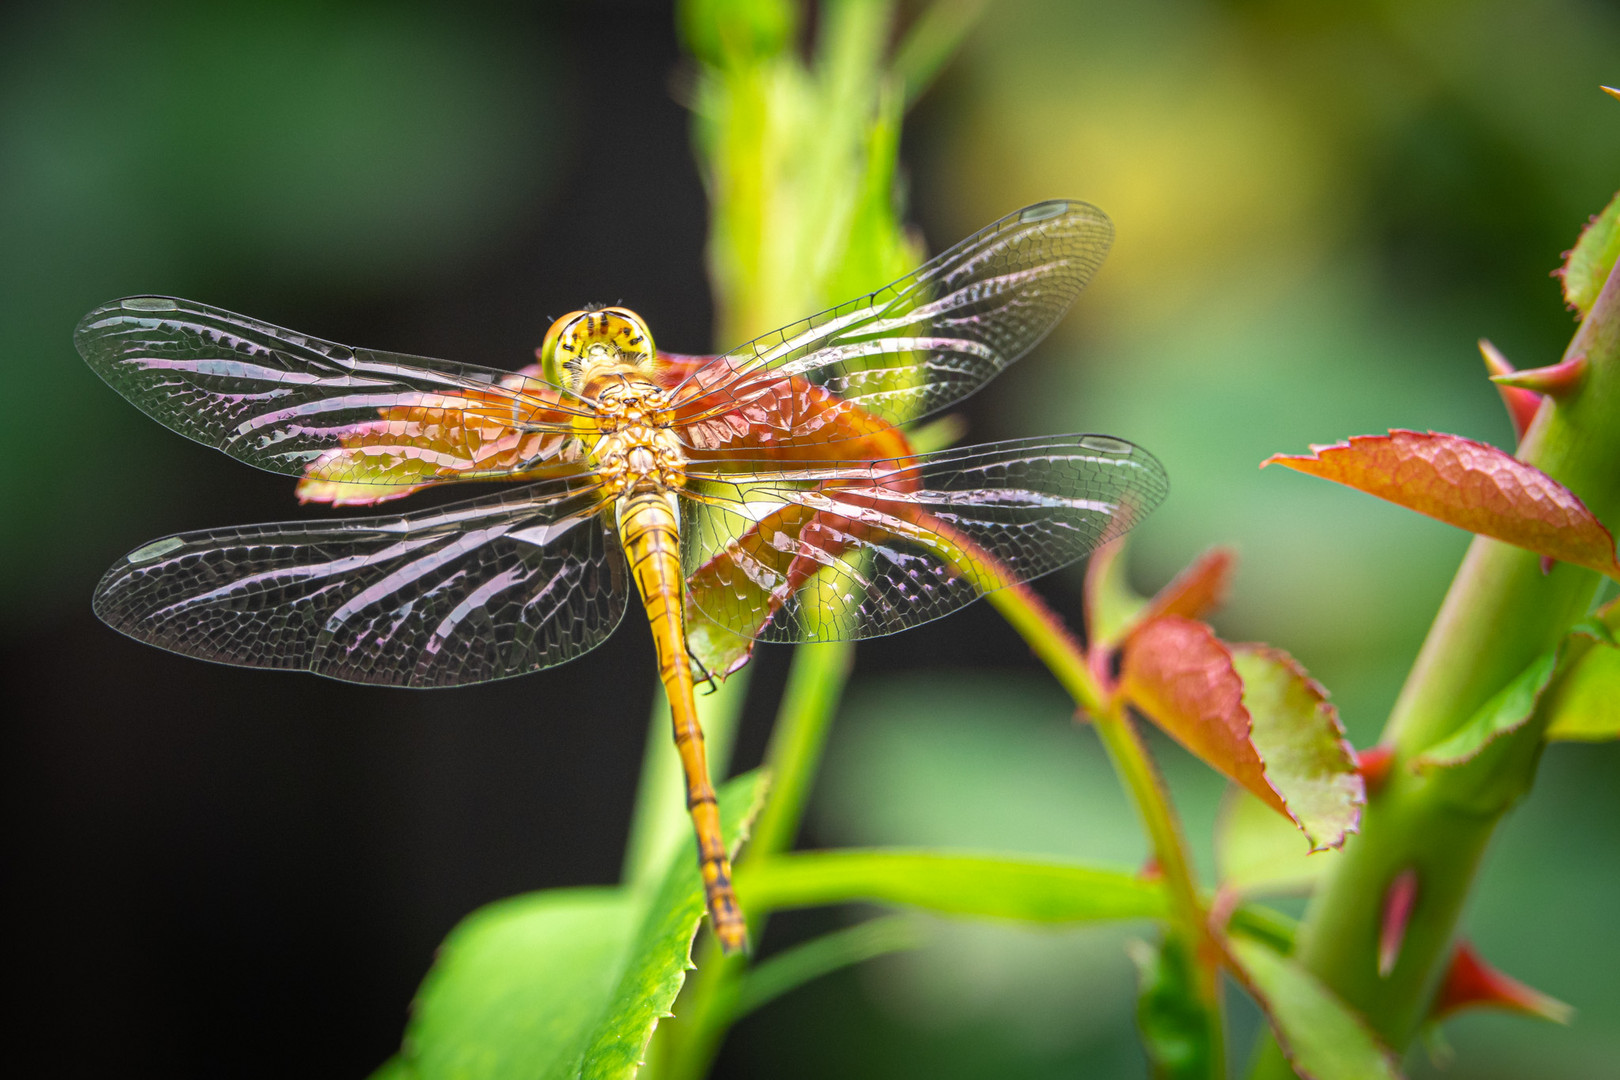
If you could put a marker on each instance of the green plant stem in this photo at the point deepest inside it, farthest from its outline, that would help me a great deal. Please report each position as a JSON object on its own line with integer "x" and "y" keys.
{"x": 931, "y": 41}
{"x": 1057, "y": 648}
{"x": 1501, "y": 612}
{"x": 815, "y": 684}
{"x": 787, "y": 971}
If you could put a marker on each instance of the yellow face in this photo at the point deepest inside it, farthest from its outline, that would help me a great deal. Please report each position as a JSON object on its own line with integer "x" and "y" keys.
{"x": 584, "y": 345}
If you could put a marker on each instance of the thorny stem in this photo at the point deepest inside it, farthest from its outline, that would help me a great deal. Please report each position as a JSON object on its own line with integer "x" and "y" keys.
{"x": 1502, "y": 611}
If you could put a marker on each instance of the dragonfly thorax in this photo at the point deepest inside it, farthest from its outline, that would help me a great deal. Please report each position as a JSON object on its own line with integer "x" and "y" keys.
{"x": 638, "y": 456}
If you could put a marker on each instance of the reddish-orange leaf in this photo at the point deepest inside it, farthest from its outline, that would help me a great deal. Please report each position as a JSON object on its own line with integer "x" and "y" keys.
{"x": 1196, "y": 590}
{"x": 1253, "y": 714}
{"x": 1470, "y": 485}
{"x": 1472, "y": 983}
{"x": 1181, "y": 676}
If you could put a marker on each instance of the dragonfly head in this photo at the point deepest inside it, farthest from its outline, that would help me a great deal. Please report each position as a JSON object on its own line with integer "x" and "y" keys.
{"x": 583, "y": 346}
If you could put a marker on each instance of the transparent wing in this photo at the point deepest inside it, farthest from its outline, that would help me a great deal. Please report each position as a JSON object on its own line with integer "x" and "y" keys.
{"x": 860, "y": 549}
{"x": 467, "y": 593}
{"x": 280, "y": 400}
{"x": 922, "y": 343}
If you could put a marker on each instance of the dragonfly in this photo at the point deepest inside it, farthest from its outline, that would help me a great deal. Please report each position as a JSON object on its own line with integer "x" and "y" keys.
{"x": 769, "y": 494}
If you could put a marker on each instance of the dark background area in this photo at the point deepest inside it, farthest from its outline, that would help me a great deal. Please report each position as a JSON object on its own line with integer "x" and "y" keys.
{"x": 211, "y": 871}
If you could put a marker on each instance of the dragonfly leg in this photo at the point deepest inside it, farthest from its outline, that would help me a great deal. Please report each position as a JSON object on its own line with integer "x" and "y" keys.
{"x": 704, "y": 675}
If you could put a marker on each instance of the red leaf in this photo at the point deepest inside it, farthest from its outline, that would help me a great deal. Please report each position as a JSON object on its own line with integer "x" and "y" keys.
{"x": 1251, "y": 713}
{"x": 1180, "y": 675}
{"x": 1470, "y": 485}
{"x": 1472, "y": 983}
{"x": 1198, "y": 589}
{"x": 1113, "y": 611}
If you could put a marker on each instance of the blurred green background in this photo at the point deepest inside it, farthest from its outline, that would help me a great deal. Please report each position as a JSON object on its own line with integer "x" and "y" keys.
{"x": 1319, "y": 208}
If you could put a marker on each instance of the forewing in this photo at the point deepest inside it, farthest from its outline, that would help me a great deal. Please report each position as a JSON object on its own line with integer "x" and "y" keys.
{"x": 860, "y": 549}
{"x": 280, "y": 400}
{"x": 922, "y": 343}
{"x": 463, "y": 594}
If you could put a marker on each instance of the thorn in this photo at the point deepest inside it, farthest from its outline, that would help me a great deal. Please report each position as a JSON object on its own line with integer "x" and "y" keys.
{"x": 1150, "y": 870}
{"x": 1374, "y": 763}
{"x": 1472, "y": 983}
{"x": 1556, "y": 380}
{"x": 1521, "y": 404}
{"x": 1611, "y": 91}
{"x": 1222, "y": 907}
{"x": 1398, "y": 903}
{"x": 1547, "y": 562}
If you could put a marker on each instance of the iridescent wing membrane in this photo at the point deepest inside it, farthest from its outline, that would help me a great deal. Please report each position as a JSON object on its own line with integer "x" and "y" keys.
{"x": 462, "y": 594}
{"x": 467, "y": 593}
{"x": 281, "y": 400}
{"x": 920, "y": 344}
{"x": 859, "y": 549}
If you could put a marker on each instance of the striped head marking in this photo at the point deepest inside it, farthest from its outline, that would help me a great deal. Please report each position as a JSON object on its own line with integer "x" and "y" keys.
{"x": 584, "y": 345}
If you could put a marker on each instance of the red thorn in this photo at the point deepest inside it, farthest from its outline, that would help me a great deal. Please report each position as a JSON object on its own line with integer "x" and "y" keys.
{"x": 1150, "y": 871}
{"x": 1472, "y": 983}
{"x": 1374, "y": 763}
{"x": 1398, "y": 903}
{"x": 1222, "y": 906}
{"x": 1556, "y": 380}
{"x": 1521, "y": 404}
{"x": 1547, "y": 562}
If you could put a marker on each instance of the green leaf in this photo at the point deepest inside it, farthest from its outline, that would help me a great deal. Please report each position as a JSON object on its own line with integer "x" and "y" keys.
{"x": 395, "y": 1068}
{"x": 1505, "y": 712}
{"x": 1112, "y": 608}
{"x": 788, "y": 970}
{"x": 521, "y": 985}
{"x": 563, "y": 983}
{"x": 1252, "y": 713}
{"x": 1593, "y": 256}
{"x": 1298, "y": 735}
{"x": 953, "y": 884}
{"x": 1586, "y": 704}
{"x": 1322, "y": 1038}
{"x": 662, "y": 950}
{"x": 1259, "y": 853}
{"x": 1174, "y": 1024}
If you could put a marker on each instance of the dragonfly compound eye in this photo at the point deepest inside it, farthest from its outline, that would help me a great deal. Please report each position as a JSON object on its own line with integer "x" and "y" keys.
{"x": 587, "y": 344}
